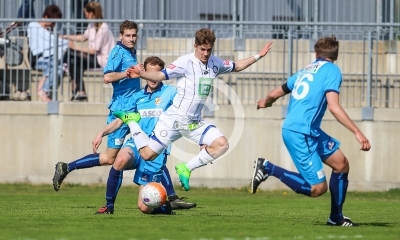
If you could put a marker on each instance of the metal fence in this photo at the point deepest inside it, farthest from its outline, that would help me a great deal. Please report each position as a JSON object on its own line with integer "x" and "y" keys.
{"x": 305, "y": 11}
{"x": 369, "y": 63}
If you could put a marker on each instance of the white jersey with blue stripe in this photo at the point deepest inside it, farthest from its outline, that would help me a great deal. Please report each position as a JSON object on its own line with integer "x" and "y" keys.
{"x": 151, "y": 105}
{"x": 120, "y": 59}
{"x": 308, "y": 102}
{"x": 194, "y": 82}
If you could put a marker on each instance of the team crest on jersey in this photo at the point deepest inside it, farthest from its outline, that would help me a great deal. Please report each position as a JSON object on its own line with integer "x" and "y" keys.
{"x": 157, "y": 101}
{"x": 145, "y": 177}
{"x": 215, "y": 69}
{"x": 171, "y": 66}
{"x": 330, "y": 145}
{"x": 227, "y": 62}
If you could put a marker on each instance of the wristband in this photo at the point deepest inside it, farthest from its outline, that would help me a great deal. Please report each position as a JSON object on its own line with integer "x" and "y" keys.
{"x": 257, "y": 57}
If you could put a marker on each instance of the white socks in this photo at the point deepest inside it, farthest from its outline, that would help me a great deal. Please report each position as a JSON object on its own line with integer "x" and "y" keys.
{"x": 200, "y": 160}
{"x": 139, "y": 137}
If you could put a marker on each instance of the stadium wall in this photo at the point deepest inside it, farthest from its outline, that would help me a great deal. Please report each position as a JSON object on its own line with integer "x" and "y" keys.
{"x": 33, "y": 141}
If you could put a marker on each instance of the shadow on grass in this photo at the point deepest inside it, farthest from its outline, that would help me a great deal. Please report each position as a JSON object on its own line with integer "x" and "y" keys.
{"x": 369, "y": 224}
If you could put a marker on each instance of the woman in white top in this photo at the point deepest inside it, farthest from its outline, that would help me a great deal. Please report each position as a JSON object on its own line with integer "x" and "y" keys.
{"x": 41, "y": 45}
{"x": 79, "y": 58}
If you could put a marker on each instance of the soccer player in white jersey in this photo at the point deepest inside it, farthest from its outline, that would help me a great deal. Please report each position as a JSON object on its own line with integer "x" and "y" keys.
{"x": 313, "y": 89}
{"x": 194, "y": 73}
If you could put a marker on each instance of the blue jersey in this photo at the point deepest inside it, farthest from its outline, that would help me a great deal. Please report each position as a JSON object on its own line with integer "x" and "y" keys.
{"x": 308, "y": 103}
{"x": 151, "y": 105}
{"x": 120, "y": 59}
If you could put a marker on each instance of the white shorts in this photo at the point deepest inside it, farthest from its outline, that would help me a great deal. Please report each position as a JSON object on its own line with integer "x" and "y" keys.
{"x": 172, "y": 126}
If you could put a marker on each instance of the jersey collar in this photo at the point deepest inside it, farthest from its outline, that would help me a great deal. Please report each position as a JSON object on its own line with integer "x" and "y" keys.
{"x": 322, "y": 59}
{"x": 148, "y": 93}
{"x": 119, "y": 43}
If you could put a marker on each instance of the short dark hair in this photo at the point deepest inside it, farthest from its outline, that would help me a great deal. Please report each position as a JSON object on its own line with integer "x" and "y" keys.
{"x": 204, "y": 36}
{"x": 155, "y": 61}
{"x": 52, "y": 11}
{"x": 127, "y": 25}
{"x": 327, "y": 47}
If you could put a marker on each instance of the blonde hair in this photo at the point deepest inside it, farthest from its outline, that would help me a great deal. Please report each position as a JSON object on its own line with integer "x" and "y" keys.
{"x": 95, "y": 8}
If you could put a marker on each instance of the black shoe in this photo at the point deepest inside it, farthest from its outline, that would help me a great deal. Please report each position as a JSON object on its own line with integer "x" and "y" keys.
{"x": 168, "y": 207}
{"x": 259, "y": 175}
{"x": 59, "y": 175}
{"x": 79, "y": 97}
{"x": 180, "y": 203}
{"x": 105, "y": 210}
{"x": 346, "y": 222}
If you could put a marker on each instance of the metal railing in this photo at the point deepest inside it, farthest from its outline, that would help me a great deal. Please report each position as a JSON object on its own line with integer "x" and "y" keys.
{"x": 368, "y": 63}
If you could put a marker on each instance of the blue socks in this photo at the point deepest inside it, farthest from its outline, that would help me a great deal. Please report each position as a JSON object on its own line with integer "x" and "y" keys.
{"x": 291, "y": 179}
{"x": 167, "y": 182}
{"x": 338, "y": 188}
{"x": 91, "y": 160}
{"x": 164, "y": 209}
{"x": 114, "y": 182}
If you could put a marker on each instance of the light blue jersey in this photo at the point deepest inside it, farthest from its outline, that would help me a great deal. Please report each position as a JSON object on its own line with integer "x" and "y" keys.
{"x": 150, "y": 106}
{"x": 120, "y": 59}
{"x": 306, "y": 143}
{"x": 308, "y": 103}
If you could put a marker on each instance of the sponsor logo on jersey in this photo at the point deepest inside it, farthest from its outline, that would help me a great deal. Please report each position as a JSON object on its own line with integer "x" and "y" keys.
{"x": 150, "y": 113}
{"x": 314, "y": 67}
{"x": 171, "y": 66}
{"x": 227, "y": 62}
{"x": 157, "y": 101}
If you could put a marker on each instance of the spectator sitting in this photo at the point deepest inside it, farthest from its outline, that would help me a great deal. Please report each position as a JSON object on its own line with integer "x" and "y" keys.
{"x": 41, "y": 44}
{"x": 79, "y": 59}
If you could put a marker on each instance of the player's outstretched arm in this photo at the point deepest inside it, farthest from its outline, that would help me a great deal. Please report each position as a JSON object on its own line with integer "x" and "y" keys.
{"x": 113, "y": 77}
{"x": 342, "y": 117}
{"x": 271, "y": 97}
{"x": 244, "y": 63}
{"x": 110, "y": 128}
{"x": 153, "y": 76}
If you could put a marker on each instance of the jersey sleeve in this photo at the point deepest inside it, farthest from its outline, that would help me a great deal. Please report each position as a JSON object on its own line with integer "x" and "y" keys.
{"x": 176, "y": 69}
{"x": 291, "y": 81}
{"x": 113, "y": 61}
{"x": 333, "y": 79}
{"x": 226, "y": 66}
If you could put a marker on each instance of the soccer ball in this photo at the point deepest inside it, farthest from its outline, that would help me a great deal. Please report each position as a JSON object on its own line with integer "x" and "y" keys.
{"x": 153, "y": 195}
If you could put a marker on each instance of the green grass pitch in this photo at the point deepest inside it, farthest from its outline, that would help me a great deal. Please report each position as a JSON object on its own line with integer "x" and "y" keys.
{"x": 38, "y": 212}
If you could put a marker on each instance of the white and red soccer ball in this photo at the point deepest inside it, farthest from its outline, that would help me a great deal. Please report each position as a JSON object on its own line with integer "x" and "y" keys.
{"x": 153, "y": 195}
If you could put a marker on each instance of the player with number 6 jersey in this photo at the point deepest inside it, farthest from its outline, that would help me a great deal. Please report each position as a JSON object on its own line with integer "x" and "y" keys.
{"x": 314, "y": 89}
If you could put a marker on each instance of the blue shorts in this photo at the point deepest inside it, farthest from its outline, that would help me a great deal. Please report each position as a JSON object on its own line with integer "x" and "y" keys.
{"x": 116, "y": 139}
{"x": 309, "y": 152}
{"x": 146, "y": 171}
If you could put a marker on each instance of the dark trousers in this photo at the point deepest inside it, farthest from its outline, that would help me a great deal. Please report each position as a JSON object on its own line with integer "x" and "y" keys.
{"x": 78, "y": 62}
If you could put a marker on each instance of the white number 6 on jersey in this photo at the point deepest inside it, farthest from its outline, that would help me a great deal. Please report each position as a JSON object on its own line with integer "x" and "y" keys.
{"x": 301, "y": 82}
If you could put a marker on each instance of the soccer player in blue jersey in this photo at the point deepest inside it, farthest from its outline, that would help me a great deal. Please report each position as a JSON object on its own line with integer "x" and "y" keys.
{"x": 121, "y": 57}
{"x": 313, "y": 89}
{"x": 150, "y": 102}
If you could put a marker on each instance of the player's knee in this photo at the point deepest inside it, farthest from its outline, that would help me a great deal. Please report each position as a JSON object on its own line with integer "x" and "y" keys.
{"x": 144, "y": 209}
{"x": 119, "y": 164}
{"x": 319, "y": 189}
{"x": 343, "y": 166}
{"x": 221, "y": 145}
